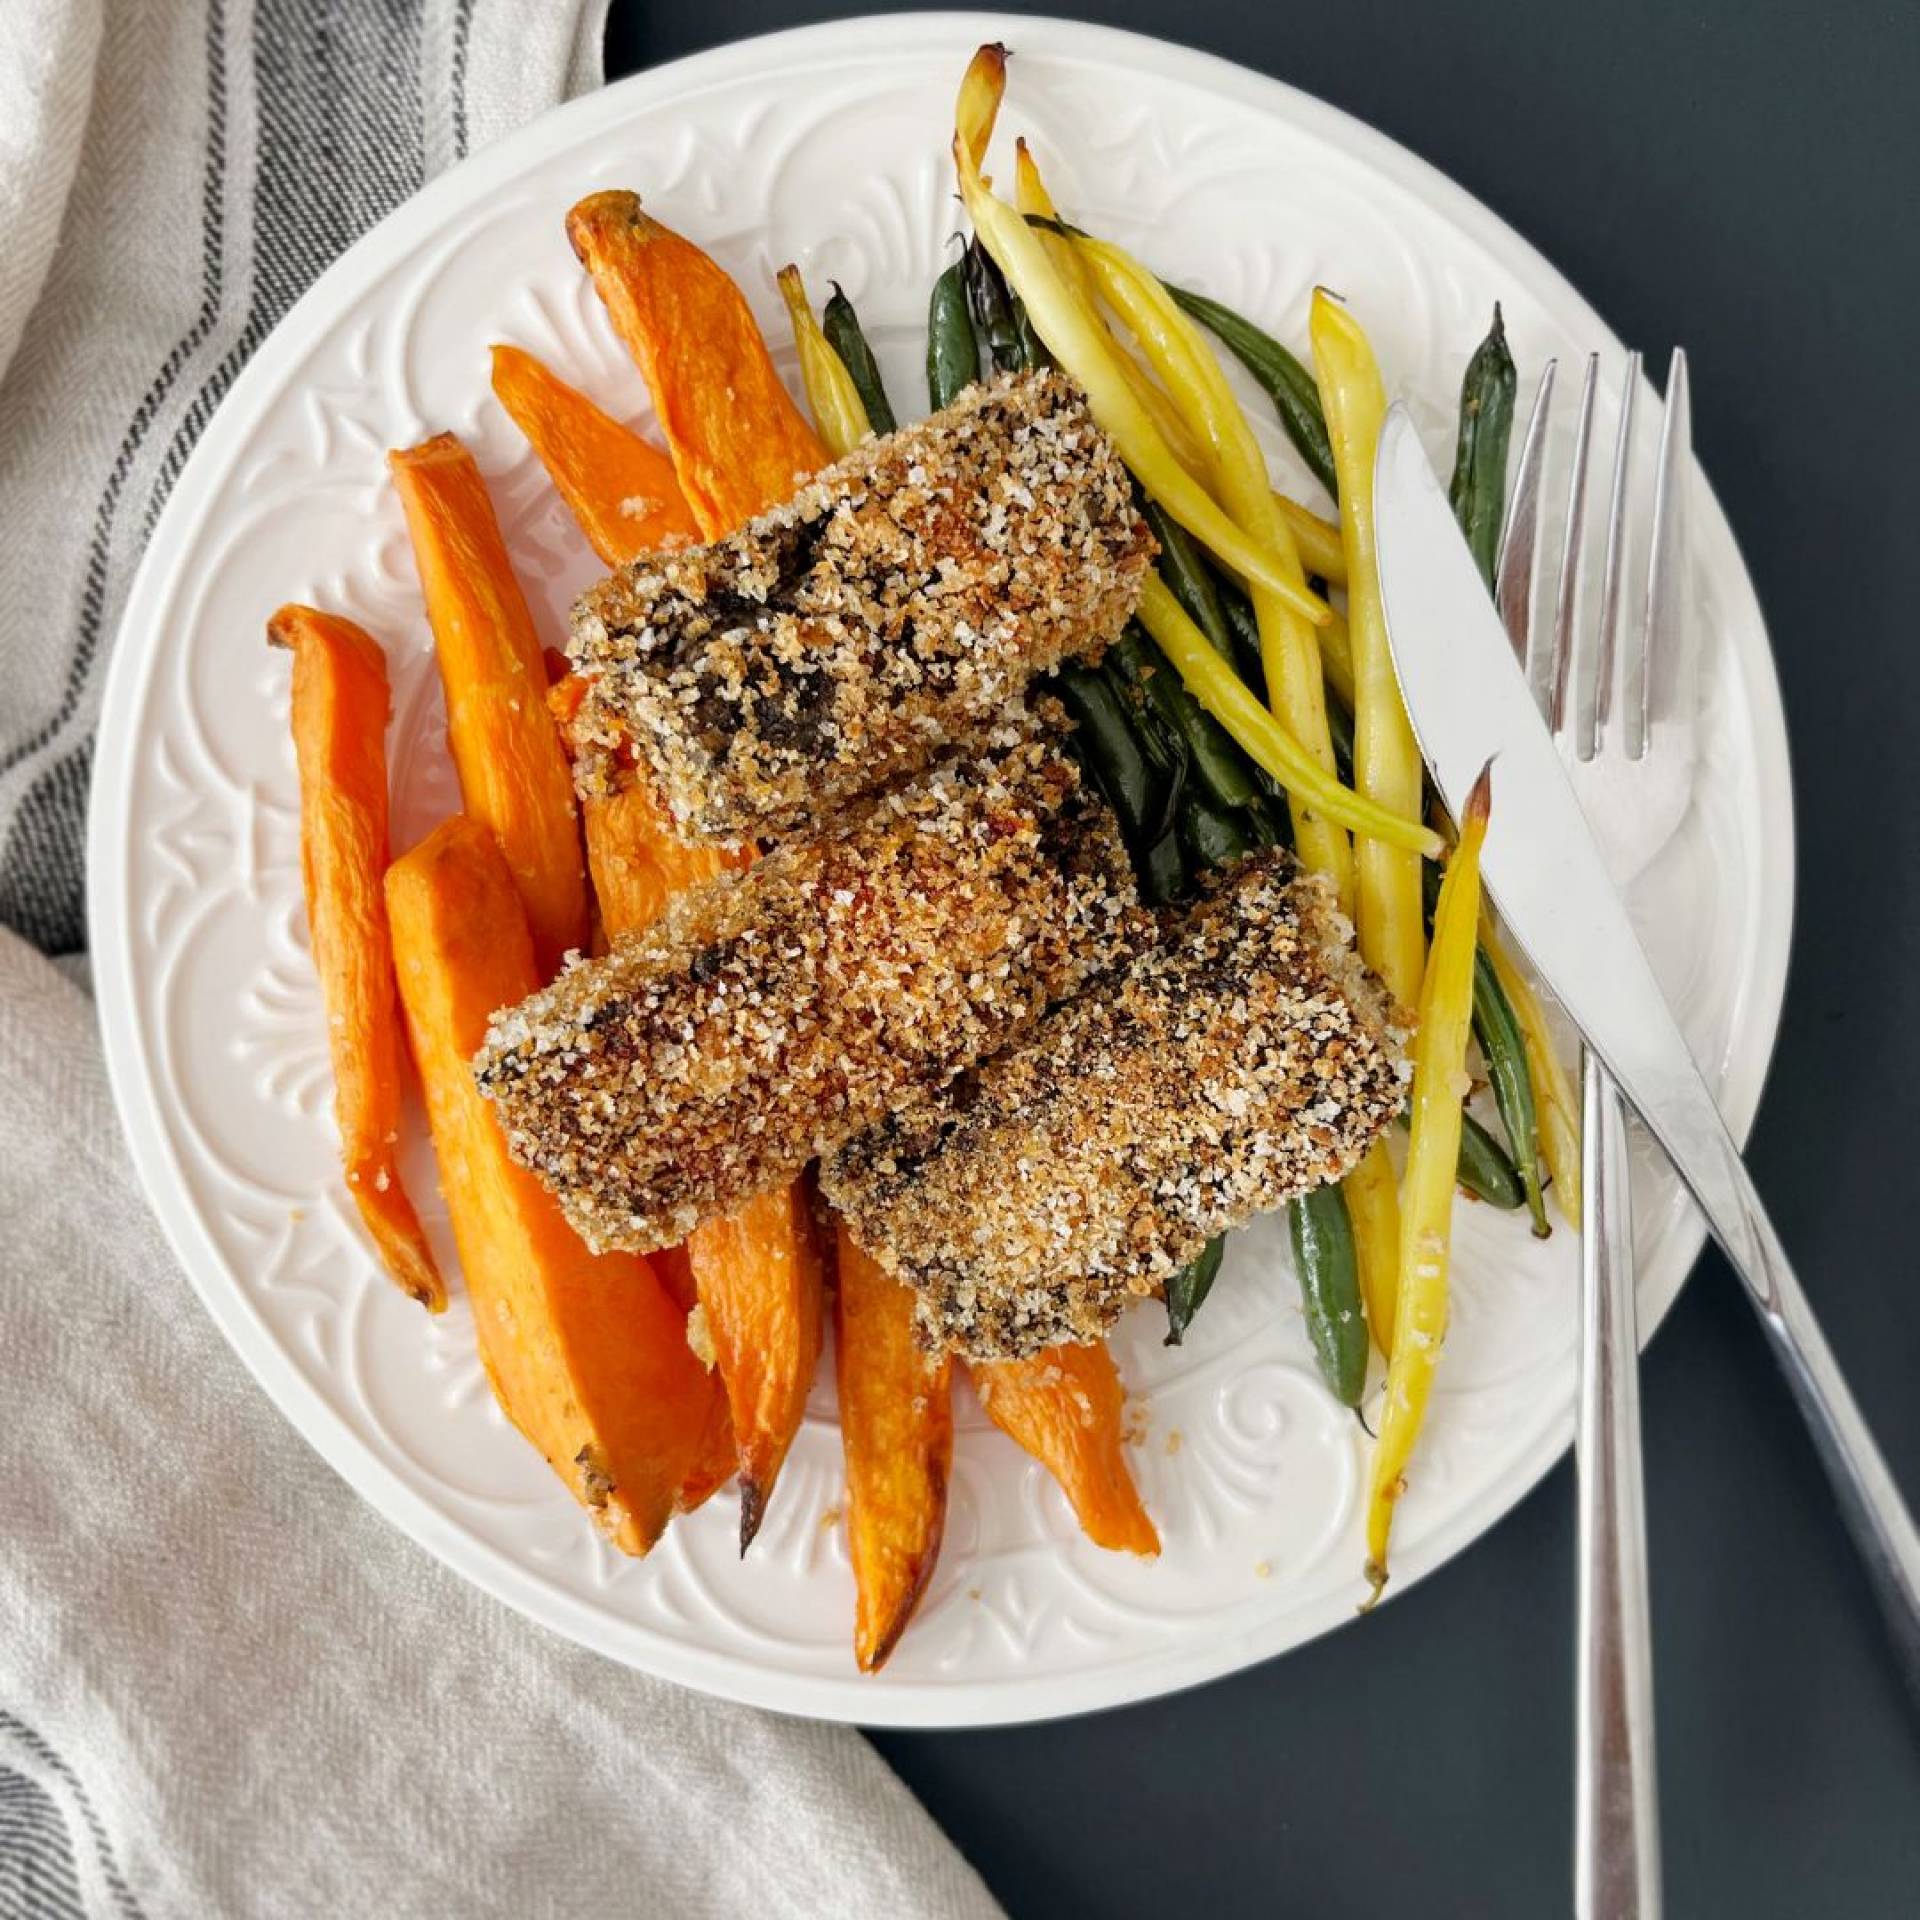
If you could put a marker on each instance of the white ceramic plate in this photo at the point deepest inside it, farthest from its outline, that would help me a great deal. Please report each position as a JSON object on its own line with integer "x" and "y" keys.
{"x": 827, "y": 146}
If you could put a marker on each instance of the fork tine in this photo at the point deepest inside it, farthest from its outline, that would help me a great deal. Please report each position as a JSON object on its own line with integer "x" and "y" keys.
{"x": 1597, "y": 708}
{"x": 1567, "y": 598}
{"x": 1666, "y": 558}
{"x": 1515, "y": 586}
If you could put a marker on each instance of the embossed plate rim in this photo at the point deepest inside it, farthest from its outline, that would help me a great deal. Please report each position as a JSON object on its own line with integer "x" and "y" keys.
{"x": 1144, "y": 1670}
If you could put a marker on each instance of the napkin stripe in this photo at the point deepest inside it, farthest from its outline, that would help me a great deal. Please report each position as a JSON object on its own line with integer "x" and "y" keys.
{"x": 47, "y": 1871}
{"x": 462, "y": 36}
{"x": 335, "y": 141}
{"x": 94, "y": 596}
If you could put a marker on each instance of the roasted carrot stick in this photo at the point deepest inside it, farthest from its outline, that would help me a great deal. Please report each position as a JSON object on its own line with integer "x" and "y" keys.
{"x": 758, "y": 1274}
{"x": 637, "y": 865}
{"x": 896, "y": 1426}
{"x": 739, "y": 446}
{"x": 587, "y": 1352}
{"x": 1066, "y": 1407}
{"x": 619, "y": 487}
{"x": 513, "y": 775}
{"x": 637, "y": 861}
{"x": 739, "y": 443}
{"x": 340, "y": 744}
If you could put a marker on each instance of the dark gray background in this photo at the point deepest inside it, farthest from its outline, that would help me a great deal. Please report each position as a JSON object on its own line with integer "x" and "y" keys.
{"x": 1741, "y": 176}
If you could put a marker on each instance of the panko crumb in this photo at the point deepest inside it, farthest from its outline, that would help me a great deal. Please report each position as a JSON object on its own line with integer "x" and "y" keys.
{"x": 893, "y": 609}
{"x": 772, "y": 1013}
{"x": 1241, "y": 1059}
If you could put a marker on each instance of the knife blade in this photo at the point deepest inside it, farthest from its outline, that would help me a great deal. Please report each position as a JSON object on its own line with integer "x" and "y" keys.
{"x": 1470, "y": 704}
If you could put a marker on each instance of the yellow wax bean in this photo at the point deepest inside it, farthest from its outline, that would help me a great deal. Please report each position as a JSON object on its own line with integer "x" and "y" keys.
{"x": 1389, "y": 912}
{"x": 834, "y": 400}
{"x": 1440, "y": 1085}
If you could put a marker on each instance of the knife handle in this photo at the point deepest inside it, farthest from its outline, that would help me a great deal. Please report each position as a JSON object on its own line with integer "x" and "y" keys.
{"x": 1870, "y": 1501}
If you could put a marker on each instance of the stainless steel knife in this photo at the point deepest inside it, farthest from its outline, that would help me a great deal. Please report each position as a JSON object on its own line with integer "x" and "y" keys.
{"x": 1470, "y": 704}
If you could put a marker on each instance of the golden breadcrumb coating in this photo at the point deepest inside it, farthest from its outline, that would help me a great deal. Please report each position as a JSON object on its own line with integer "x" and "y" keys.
{"x": 1239, "y": 1061}
{"x": 771, "y": 1014}
{"x": 893, "y": 610}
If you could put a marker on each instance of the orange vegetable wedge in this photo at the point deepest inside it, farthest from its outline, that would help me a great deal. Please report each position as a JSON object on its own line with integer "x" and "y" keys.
{"x": 896, "y": 1424}
{"x": 620, "y": 488}
{"x": 739, "y": 446}
{"x": 636, "y": 860}
{"x": 1065, "y": 1406}
{"x": 340, "y": 706}
{"x": 587, "y": 1352}
{"x": 637, "y": 865}
{"x": 739, "y": 443}
{"x": 506, "y": 749}
{"x": 758, "y": 1271}
{"x": 714, "y": 1459}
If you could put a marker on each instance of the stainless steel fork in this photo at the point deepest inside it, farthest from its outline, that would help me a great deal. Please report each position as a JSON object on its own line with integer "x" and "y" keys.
{"x": 1596, "y": 698}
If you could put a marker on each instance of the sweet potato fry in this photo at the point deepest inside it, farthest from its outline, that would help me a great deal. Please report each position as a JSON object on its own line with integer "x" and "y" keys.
{"x": 1064, "y": 1405}
{"x": 637, "y": 865}
{"x": 619, "y": 487}
{"x": 739, "y": 443}
{"x": 739, "y": 446}
{"x": 760, "y": 1284}
{"x": 637, "y": 861}
{"x": 896, "y": 1425}
{"x": 340, "y": 744}
{"x": 506, "y": 750}
{"x": 587, "y": 1352}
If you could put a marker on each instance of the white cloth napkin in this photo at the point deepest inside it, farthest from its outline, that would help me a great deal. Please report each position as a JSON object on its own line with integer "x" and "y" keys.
{"x": 226, "y": 1687}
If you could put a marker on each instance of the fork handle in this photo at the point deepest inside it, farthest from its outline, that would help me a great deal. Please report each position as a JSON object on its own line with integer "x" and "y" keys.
{"x": 1617, "y": 1812}
{"x": 1868, "y": 1497}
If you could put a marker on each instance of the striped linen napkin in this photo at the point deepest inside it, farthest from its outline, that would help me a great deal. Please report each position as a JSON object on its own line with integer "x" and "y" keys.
{"x": 226, "y": 1687}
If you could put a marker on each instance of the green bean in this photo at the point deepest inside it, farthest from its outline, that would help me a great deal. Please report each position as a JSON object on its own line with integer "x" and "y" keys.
{"x": 1321, "y": 1230}
{"x": 1220, "y": 765}
{"x": 1478, "y": 489}
{"x": 953, "y": 353}
{"x": 841, "y": 325}
{"x": 1190, "y": 1286}
{"x": 1000, "y": 316}
{"x": 1272, "y": 825}
{"x": 1289, "y": 385}
{"x": 1033, "y": 349}
{"x": 1211, "y": 836}
{"x": 1243, "y": 632}
{"x": 1340, "y": 732}
{"x": 1500, "y": 1040}
{"x": 1484, "y": 1169}
{"x": 992, "y": 308}
{"x": 1184, "y": 568}
{"x": 1507, "y": 1181}
{"x": 1160, "y": 870}
{"x": 1138, "y": 790}
{"x": 1233, "y": 630}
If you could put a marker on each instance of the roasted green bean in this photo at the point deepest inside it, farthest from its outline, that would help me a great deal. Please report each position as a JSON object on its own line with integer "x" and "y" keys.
{"x": 1289, "y": 385}
{"x": 1501, "y": 1042}
{"x": 1190, "y": 1286}
{"x": 1323, "y": 1255}
{"x": 953, "y": 351}
{"x": 841, "y": 325}
{"x": 1478, "y": 489}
